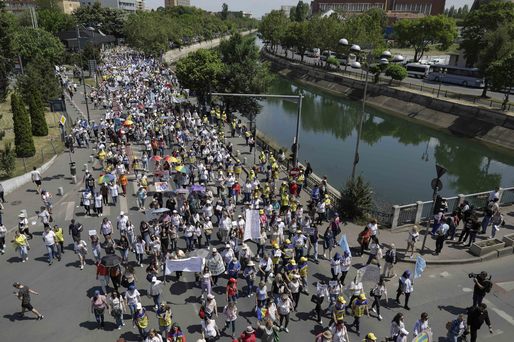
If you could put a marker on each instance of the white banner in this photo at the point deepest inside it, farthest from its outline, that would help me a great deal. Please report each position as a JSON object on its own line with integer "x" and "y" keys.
{"x": 194, "y": 264}
{"x": 252, "y": 225}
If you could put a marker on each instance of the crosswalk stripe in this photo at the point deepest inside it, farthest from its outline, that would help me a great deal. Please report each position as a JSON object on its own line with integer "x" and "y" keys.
{"x": 499, "y": 312}
{"x": 107, "y": 210}
{"x": 123, "y": 204}
{"x": 70, "y": 211}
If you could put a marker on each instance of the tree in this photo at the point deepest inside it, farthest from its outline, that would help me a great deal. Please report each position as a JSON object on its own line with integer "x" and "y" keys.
{"x": 24, "y": 144}
{"x": 39, "y": 77}
{"x": 356, "y": 198}
{"x": 30, "y": 43}
{"x": 478, "y": 26}
{"x": 54, "y": 21}
{"x": 37, "y": 116}
{"x": 108, "y": 20}
{"x": 301, "y": 11}
{"x": 421, "y": 33}
{"x": 273, "y": 27}
{"x": 200, "y": 72}
{"x": 224, "y": 11}
{"x": 8, "y": 160}
{"x": 7, "y": 23}
{"x": 501, "y": 73}
{"x": 244, "y": 73}
{"x": 397, "y": 72}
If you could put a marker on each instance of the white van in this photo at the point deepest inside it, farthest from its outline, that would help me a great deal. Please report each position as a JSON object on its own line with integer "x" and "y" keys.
{"x": 313, "y": 53}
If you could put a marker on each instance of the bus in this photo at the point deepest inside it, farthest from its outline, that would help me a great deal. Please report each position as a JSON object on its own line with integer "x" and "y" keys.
{"x": 417, "y": 70}
{"x": 466, "y": 77}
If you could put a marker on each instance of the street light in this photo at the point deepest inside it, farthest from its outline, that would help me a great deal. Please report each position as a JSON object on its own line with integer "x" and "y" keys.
{"x": 357, "y": 49}
{"x": 436, "y": 185}
{"x": 82, "y": 74}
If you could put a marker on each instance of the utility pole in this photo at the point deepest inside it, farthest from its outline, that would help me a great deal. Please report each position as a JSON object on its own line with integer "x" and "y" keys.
{"x": 82, "y": 75}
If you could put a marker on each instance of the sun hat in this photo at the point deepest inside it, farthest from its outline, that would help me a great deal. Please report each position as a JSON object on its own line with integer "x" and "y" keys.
{"x": 249, "y": 329}
{"x": 139, "y": 306}
{"x": 327, "y": 334}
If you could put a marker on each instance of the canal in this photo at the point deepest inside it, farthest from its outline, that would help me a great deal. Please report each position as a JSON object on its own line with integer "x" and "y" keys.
{"x": 397, "y": 156}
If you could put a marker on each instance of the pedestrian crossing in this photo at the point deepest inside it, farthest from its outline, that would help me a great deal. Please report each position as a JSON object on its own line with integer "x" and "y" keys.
{"x": 72, "y": 208}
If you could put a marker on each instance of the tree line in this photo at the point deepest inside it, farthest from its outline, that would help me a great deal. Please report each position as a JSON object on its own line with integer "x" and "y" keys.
{"x": 233, "y": 67}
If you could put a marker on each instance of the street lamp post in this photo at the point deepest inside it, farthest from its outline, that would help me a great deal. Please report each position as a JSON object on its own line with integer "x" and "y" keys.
{"x": 437, "y": 186}
{"x": 82, "y": 75}
{"x": 299, "y": 98}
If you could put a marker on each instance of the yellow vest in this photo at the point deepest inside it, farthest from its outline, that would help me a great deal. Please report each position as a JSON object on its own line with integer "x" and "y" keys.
{"x": 339, "y": 311}
{"x": 358, "y": 307}
{"x": 142, "y": 322}
{"x": 166, "y": 320}
{"x": 59, "y": 235}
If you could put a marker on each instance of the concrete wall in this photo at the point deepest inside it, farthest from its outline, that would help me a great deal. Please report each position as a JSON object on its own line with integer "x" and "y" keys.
{"x": 484, "y": 124}
{"x": 12, "y": 184}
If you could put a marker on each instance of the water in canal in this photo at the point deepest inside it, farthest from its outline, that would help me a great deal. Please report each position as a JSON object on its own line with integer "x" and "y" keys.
{"x": 397, "y": 157}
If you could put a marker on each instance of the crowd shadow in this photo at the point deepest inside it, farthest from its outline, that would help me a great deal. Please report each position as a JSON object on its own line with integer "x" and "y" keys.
{"x": 196, "y": 328}
{"x": 130, "y": 336}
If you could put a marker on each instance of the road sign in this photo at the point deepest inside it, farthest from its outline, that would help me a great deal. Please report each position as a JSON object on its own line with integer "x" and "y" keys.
{"x": 440, "y": 170}
{"x": 436, "y": 183}
{"x": 62, "y": 120}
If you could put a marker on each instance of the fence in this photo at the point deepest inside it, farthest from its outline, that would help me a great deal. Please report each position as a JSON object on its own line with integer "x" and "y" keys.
{"x": 415, "y": 213}
{"x": 423, "y": 87}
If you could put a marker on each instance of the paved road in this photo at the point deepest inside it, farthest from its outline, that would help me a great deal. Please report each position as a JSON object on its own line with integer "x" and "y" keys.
{"x": 419, "y": 82}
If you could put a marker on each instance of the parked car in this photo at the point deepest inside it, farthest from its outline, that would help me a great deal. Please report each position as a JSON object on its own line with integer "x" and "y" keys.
{"x": 325, "y": 54}
{"x": 313, "y": 53}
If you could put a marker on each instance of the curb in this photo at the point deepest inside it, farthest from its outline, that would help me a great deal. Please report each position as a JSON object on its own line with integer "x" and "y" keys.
{"x": 489, "y": 256}
{"x": 12, "y": 184}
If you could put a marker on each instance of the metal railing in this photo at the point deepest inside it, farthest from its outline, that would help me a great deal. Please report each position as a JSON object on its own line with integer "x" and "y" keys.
{"x": 423, "y": 87}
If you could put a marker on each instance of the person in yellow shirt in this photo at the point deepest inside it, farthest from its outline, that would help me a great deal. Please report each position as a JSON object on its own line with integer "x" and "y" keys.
{"x": 21, "y": 243}
{"x": 140, "y": 320}
{"x": 164, "y": 315}
{"x": 59, "y": 239}
{"x": 359, "y": 309}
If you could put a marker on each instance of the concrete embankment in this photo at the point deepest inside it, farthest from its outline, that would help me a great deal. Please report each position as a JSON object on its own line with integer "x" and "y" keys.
{"x": 468, "y": 120}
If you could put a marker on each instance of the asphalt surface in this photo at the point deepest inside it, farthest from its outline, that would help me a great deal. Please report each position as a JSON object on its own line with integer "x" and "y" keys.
{"x": 64, "y": 289}
{"x": 416, "y": 81}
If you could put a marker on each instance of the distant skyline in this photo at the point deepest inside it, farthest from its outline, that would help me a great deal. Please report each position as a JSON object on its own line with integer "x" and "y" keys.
{"x": 259, "y": 7}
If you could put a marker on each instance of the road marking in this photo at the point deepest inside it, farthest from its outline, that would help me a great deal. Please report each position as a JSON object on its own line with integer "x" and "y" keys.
{"x": 70, "y": 210}
{"x": 495, "y": 333}
{"x": 134, "y": 187}
{"x": 467, "y": 289}
{"x": 107, "y": 210}
{"x": 500, "y": 312}
{"x": 123, "y": 204}
{"x": 506, "y": 285}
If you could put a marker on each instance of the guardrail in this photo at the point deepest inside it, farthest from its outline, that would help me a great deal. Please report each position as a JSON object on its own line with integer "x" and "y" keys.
{"x": 424, "y": 88}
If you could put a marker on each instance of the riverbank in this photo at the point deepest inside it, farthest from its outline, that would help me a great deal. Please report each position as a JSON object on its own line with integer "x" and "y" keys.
{"x": 467, "y": 120}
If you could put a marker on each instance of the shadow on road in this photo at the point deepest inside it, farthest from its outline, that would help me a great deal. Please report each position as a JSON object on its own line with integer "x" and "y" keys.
{"x": 130, "y": 336}
{"x": 18, "y": 317}
{"x": 452, "y": 309}
{"x": 197, "y": 328}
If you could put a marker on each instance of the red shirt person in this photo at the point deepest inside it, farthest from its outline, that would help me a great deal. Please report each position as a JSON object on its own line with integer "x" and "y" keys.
{"x": 248, "y": 335}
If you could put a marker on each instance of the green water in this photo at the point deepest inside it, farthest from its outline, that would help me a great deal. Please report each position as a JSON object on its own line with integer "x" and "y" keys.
{"x": 397, "y": 156}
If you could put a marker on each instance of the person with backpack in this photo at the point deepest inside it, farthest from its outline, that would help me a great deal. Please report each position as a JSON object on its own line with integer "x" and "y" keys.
{"x": 477, "y": 315}
{"x": 492, "y": 207}
{"x": 483, "y": 285}
{"x": 376, "y": 293}
{"x": 390, "y": 259}
{"x": 23, "y": 295}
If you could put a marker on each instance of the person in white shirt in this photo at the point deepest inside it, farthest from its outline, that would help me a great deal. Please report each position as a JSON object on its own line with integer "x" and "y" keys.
{"x": 49, "y": 240}
{"x": 155, "y": 291}
{"x": 421, "y": 324}
{"x": 35, "y": 175}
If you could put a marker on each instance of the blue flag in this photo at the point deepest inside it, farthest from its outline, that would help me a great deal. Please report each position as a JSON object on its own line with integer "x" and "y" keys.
{"x": 343, "y": 243}
{"x": 421, "y": 264}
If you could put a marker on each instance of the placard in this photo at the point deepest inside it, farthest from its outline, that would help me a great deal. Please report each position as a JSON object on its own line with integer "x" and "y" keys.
{"x": 91, "y": 232}
{"x": 193, "y": 264}
{"x": 162, "y": 187}
{"x": 252, "y": 225}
